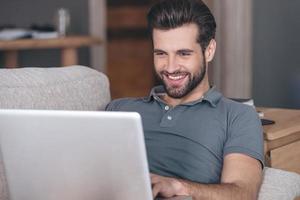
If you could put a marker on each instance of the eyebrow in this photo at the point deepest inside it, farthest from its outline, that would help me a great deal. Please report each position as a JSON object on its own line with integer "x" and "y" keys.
{"x": 185, "y": 50}
{"x": 158, "y": 51}
{"x": 180, "y": 50}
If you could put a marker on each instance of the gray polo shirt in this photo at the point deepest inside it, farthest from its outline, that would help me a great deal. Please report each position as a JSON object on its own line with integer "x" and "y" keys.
{"x": 190, "y": 141}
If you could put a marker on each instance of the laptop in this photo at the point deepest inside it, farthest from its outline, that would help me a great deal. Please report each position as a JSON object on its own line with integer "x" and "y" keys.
{"x": 74, "y": 155}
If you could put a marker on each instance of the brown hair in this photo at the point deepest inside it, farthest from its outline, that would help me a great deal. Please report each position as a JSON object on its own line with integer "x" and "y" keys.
{"x": 169, "y": 14}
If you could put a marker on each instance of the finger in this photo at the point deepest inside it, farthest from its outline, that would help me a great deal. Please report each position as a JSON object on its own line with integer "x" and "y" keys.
{"x": 155, "y": 179}
{"x": 154, "y": 175}
{"x": 155, "y": 190}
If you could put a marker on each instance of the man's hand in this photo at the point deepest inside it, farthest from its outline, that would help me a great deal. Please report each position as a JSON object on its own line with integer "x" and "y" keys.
{"x": 241, "y": 179}
{"x": 167, "y": 187}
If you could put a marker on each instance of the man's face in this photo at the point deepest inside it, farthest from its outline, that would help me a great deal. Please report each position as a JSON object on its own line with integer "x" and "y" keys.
{"x": 178, "y": 59}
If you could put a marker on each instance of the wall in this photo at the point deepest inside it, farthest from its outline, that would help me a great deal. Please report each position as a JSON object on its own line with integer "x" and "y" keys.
{"x": 232, "y": 65}
{"x": 24, "y": 13}
{"x": 276, "y": 53}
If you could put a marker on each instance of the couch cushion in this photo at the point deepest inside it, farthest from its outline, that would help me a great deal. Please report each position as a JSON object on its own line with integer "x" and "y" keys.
{"x": 68, "y": 88}
{"x": 279, "y": 185}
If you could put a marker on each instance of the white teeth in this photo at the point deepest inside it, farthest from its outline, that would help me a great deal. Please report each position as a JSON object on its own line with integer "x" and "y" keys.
{"x": 175, "y": 77}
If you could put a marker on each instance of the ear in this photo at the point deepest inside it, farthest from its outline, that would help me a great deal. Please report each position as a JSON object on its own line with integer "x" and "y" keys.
{"x": 210, "y": 50}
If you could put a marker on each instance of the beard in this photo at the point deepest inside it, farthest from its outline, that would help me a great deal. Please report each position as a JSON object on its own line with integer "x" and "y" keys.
{"x": 193, "y": 81}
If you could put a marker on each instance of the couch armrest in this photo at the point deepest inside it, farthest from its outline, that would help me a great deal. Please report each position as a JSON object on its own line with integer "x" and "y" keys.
{"x": 279, "y": 185}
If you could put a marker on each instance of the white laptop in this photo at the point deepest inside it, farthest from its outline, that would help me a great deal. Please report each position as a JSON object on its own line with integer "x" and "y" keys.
{"x": 70, "y": 155}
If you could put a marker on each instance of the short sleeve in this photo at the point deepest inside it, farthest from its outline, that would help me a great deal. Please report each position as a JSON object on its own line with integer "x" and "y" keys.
{"x": 110, "y": 106}
{"x": 245, "y": 134}
{"x": 117, "y": 105}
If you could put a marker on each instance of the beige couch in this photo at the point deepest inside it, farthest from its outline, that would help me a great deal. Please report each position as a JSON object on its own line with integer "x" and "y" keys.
{"x": 81, "y": 88}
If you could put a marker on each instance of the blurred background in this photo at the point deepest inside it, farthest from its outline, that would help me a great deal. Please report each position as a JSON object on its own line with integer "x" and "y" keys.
{"x": 257, "y": 57}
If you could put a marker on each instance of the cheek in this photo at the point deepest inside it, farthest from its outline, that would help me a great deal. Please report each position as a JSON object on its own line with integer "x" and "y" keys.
{"x": 158, "y": 63}
{"x": 197, "y": 64}
{"x": 190, "y": 64}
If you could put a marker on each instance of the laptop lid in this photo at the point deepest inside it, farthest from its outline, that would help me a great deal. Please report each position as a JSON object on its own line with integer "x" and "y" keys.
{"x": 74, "y": 155}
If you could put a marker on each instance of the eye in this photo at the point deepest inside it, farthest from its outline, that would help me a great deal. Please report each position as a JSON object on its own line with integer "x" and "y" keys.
{"x": 184, "y": 53}
{"x": 159, "y": 53}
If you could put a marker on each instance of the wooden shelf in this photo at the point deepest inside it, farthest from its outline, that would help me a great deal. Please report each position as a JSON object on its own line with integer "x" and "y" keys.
{"x": 68, "y": 46}
{"x": 62, "y": 42}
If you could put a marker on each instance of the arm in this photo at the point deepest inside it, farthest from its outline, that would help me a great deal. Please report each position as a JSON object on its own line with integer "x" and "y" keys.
{"x": 241, "y": 179}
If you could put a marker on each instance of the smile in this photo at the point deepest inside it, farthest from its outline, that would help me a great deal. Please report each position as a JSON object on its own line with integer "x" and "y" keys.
{"x": 175, "y": 80}
{"x": 176, "y": 77}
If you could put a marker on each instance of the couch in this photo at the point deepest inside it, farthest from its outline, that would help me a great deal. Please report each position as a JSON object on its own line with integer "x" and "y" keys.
{"x": 82, "y": 88}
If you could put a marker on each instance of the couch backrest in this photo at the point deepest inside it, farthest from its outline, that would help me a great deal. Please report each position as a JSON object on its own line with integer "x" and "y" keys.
{"x": 67, "y": 88}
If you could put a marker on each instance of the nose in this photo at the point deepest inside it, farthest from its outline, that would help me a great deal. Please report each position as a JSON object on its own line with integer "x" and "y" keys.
{"x": 171, "y": 64}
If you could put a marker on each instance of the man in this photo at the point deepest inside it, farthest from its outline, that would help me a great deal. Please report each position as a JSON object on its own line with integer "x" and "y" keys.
{"x": 198, "y": 142}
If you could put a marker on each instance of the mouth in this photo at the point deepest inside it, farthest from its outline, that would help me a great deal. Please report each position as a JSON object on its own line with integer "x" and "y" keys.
{"x": 175, "y": 79}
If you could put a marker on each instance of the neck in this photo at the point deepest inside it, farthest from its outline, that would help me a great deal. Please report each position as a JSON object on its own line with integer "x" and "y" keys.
{"x": 194, "y": 95}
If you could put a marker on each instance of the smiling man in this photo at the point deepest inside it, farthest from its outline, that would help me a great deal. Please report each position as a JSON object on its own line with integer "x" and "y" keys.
{"x": 180, "y": 63}
{"x": 198, "y": 142}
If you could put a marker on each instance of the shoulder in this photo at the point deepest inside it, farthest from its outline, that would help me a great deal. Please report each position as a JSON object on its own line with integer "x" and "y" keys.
{"x": 241, "y": 118}
{"x": 123, "y": 103}
{"x": 235, "y": 109}
{"x": 244, "y": 131}
{"x": 238, "y": 114}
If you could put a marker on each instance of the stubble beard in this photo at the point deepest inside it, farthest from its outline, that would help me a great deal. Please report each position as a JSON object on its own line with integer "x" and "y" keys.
{"x": 193, "y": 82}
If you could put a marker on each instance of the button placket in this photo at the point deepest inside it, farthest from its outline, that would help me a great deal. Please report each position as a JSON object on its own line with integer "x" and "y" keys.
{"x": 167, "y": 108}
{"x": 168, "y": 118}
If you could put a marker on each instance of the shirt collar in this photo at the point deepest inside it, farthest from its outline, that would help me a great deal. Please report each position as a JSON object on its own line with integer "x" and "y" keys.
{"x": 212, "y": 96}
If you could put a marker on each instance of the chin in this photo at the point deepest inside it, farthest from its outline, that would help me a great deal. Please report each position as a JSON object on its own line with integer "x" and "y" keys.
{"x": 176, "y": 93}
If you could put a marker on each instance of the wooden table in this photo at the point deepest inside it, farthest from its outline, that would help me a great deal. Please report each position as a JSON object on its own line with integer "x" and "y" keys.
{"x": 282, "y": 139}
{"x": 68, "y": 46}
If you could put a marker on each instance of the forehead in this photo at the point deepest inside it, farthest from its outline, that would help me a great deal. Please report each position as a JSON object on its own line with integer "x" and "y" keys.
{"x": 181, "y": 37}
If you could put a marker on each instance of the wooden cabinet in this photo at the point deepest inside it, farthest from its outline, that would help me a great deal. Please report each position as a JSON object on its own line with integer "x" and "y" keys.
{"x": 282, "y": 139}
{"x": 129, "y": 67}
{"x": 286, "y": 157}
{"x": 129, "y": 49}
